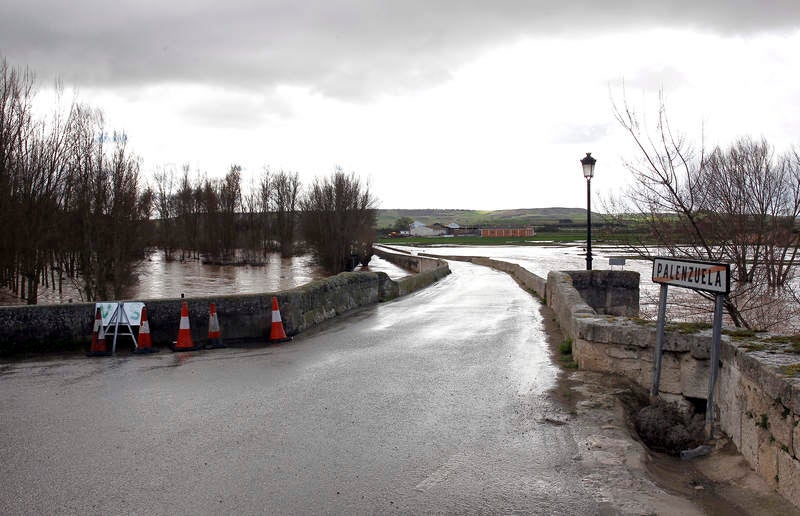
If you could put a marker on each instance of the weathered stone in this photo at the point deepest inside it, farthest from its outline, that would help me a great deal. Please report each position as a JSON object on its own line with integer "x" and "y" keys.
{"x": 795, "y": 447}
{"x": 609, "y": 292}
{"x": 749, "y": 447}
{"x": 670, "y": 374}
{"x": 730, "y": 402}
{"x": 694, "y": 376}
{"x": 781, "y": 425}
{"x": 789, "y": 477}
{"x": 767, "y": 458}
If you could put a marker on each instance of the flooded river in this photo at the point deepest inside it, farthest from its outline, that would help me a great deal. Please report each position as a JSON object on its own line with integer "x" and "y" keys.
{"x": 158, "y": 278}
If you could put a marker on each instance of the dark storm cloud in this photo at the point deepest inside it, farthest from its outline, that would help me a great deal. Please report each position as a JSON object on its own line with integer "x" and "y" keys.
{"x": 344, "y": 49}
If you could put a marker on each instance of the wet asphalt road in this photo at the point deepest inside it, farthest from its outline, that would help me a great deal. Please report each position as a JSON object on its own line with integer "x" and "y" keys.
{"x": 434, "y": 402}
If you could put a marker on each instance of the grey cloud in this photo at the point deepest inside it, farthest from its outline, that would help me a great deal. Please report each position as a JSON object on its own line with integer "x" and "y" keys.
{"x": 345, "y": 48}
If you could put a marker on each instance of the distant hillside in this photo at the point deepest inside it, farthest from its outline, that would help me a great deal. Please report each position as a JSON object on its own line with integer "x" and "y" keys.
{"x": 520, "y": 217}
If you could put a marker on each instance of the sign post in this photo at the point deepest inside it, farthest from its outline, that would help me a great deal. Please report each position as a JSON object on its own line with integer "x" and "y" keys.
{"x": 697, "y": 275}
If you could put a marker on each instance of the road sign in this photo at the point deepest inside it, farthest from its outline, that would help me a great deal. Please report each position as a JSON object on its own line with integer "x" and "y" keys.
{"x": 706, "y": 276}
{"x": 133, "y": 311}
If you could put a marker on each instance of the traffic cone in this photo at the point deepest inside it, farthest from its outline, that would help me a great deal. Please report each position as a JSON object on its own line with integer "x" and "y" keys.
{"x": 184, "y": 342}
{"x": 276, "y": 333}
{"x": 98, "y": 348}
{"x": 144, "y": 343}
{"x": 214, "y": 333}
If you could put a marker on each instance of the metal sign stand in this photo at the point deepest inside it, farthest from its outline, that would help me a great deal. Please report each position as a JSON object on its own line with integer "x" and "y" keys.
{"x": 715, "y": 349}
{"x": 706, "y": 276}
{"x": 662, "y": 314}
{"x": 120, "y": 317}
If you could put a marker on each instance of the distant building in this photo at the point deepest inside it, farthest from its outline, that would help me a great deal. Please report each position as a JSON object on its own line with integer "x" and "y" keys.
{"x": 456, "y": 230}
{"x": 508, "y": 232}
{"x": 419, "y": 229}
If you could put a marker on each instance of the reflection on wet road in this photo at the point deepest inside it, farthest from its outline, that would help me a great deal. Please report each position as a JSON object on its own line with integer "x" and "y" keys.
{"x": 434, "y": 402}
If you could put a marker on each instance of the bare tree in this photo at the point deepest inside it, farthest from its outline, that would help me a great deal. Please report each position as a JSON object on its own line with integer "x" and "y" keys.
{"x": 165, "y": 209}
{"x": 264, "y": 203}
{"x": 737, "y": 205}
{"x": 338, "y": 214}
{"x": 285, "y": 199}
{"x": 230, "y": 203}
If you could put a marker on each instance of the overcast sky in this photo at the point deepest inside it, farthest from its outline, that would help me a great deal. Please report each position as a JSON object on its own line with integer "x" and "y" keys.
{"x": 440, "y": 104}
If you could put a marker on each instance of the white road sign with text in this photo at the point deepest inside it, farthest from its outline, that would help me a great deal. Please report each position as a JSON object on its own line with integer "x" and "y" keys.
{"x": 707, "y": 276}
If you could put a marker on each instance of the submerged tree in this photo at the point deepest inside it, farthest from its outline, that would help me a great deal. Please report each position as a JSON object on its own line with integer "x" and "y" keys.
{"x": 338, "y": 219}
{"x": 69, "y": 202}
{"x": 737, "y": 204}
{"x": 285, "y": 199}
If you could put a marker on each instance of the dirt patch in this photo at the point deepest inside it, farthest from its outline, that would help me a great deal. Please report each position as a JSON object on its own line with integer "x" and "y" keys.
{"x": 665, "y": 428}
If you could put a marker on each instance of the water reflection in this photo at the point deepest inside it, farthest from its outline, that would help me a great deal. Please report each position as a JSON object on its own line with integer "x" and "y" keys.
{"x": 158, "y": 278}
{"x": 542, "y": 259}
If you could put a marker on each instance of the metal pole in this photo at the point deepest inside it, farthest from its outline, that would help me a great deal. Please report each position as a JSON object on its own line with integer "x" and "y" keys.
{"x": 662, "y": 315}
{"x": 588, "y": 223}
{"x": 712, "y": 379}
{"x": 116, "y": 328}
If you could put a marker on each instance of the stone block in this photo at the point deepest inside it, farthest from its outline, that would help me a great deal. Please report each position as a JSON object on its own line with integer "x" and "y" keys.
{"x": 694, "y": 376}
{"x": 730, "y": 400}
{"x": 789, "y": 477}
{"x": 608, "y": 292}
{"x": 755, "y": 401}
{"x": 622, "y": 352}
{"x": 767, "y": 465}
{"x": 795, "y": 447}
{"x": 749, "y": 441}
{"x": 781, "y": 425}
{"x": 670, "y": 374}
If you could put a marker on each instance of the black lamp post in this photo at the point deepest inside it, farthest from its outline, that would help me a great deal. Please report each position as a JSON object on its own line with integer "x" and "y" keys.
{"x": 588, "y": 172}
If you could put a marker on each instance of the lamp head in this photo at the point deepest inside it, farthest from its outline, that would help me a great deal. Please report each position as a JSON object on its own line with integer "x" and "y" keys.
{"x": 588, "y": 165}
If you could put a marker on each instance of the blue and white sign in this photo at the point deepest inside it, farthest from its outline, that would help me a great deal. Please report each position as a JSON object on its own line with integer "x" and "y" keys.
{"x": 133, "y": 310}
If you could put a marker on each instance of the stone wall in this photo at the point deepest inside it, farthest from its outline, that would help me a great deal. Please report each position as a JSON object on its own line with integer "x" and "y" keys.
{"x": 609, "y": 292}
{"x": 41, "y": 328}
{"x": 757, "y": 394}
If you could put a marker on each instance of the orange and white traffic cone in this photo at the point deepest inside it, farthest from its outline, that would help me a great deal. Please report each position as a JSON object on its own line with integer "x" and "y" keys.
{"x": 144, "y": 343}
{"x": 214, "y": 333}
{"x": 276, "y": 333}
{"x": 184, "y": 342}
{"x": 98, "y": 347}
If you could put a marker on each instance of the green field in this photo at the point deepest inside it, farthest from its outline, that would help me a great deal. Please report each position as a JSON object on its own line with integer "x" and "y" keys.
{"x": 473, "y": 218}
{"x": 539, "y": 239}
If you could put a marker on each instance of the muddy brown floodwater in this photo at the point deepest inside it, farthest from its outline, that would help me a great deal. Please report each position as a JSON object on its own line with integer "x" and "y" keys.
{"x": 158, "y": 278}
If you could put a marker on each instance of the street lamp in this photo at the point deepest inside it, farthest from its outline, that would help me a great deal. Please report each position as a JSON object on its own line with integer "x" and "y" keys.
{"x": 588, "y": 172}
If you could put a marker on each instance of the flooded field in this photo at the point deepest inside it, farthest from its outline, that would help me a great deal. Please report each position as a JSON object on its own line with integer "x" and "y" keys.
{"x": 158, "y": 278}
{"x": 541, "y": 259}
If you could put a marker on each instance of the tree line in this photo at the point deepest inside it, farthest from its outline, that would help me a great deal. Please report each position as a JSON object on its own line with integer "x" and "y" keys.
{"x": 76, "y": 208}
{"x": 220, "y": 221}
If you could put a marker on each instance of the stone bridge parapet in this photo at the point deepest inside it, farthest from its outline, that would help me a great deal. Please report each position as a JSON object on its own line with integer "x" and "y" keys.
{"x": 45, "y": 328}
